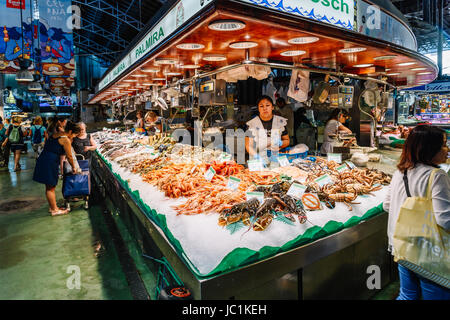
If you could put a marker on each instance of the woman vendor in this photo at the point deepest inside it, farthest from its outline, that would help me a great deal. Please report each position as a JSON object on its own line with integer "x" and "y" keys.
{"x": 334, "y": 125}
{"x": 152, "y": 122}
{"x": 139, "y": 126}
{"x": 267, "y": 132}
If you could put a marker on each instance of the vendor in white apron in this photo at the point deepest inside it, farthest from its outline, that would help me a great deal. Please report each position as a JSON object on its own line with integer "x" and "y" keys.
{"x": 333, "y": 126}
{"x": 267, "y": 132}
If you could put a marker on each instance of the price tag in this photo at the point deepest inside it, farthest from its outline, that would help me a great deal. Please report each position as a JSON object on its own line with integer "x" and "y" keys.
{"x": 150, "y": 149}
{"x": 233, "y": 183}
{"x": 283, "y": 161}
{"x": 255, "y": 165}
{"x": 296, "y": 190}
{"x": 336, "y": 157}
{"x": 154, "y": 155}
{"x": 258, "y": 195}
{"x": 311, "y": 201}
{"x": 323, "y": 180}
{"x": 226, "y": 157}
{"x": 342, "y": 168}
{"x": 210, "y": 173}
{"x": 350, "y": 164}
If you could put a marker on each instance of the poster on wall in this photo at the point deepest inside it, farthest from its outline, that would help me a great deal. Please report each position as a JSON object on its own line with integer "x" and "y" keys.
{"x": 47, "y": 40}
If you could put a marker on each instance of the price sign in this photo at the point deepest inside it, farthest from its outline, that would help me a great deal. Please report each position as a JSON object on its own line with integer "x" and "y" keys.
{"x": 311, "y": 201}
{"x": 342, "y": 168}
{"x": 350, "y": 164}
{"x": 296, "y": 190}
{"x": 258, "y": 195}
{"x": 226, "y": 157}
{"x": 283, "y": 161}
{"x": 154, "y": 155}
{"x": 150, "y": 149}
{"x": 255, "y": 165}
{"x": 336, "y": 157}
{"x": 233, "y": 183}
{"x": 210, "y": 173}
{"x": 323, "y": 180}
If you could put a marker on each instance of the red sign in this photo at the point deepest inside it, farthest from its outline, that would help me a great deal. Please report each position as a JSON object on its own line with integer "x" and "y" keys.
{"x": 15, "y": 4}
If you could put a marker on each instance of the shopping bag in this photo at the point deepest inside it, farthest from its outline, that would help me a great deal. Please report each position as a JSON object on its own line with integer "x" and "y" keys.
{"x": 419, "y": 243}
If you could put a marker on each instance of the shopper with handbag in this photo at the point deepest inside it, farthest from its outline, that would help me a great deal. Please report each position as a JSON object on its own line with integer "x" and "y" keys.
{"x": 418, "y": 203}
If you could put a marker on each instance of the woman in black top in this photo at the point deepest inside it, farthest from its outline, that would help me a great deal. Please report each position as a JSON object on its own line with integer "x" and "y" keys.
{"x": 15, "y": 140}
{"x": 83, "y": 143}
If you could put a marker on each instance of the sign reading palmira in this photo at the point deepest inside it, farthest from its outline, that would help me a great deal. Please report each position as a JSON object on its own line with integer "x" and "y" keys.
{"x": 150, "y": 41}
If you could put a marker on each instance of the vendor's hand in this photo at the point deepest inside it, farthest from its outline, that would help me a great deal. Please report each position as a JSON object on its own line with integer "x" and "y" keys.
{"x": 77, "y": 171}
{"x": 4, "y": 144}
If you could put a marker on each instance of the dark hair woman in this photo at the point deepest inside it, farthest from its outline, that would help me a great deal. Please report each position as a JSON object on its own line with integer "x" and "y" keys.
{"x": 46, "y": 170}
{"x": 333, "y": 125}
{"x": 267, "y": 131}
{"x": 424, "y": 149}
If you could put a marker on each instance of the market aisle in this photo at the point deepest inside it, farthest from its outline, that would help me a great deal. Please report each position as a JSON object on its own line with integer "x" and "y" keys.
{"x": 36, "y": 249}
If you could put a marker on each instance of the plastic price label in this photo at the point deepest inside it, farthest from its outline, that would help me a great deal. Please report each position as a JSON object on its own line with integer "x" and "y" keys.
{"x": 226, "y": 157}
{"x": 323, "y": 180}
{"x": 258, "y": 195}
{"x": 342, "y": 168}
{"x": 296, "y": 190}
{"x": 210, "y": 173}
{"x": 255, "y": 165}
{"x": 336, "y": 157}
{"x": 233, "y": 183}
{"x": 350, "y": 164}
{"x": 283, "y": 161}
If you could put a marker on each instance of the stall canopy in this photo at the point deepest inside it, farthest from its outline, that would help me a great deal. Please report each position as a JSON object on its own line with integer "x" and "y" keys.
{"x": 325, "y": 35}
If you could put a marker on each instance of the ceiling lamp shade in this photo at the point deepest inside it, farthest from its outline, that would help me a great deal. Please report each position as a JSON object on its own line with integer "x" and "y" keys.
{"x": 364, "y": 65}
{"x": 24, "y": 76}
{"x": 352, "y": 50}
{"x": 226, "y": 25}
{"x": 190, "y": 46}
{"x": 404, "y": 64}
{"x": 303, "y": 40}
{"x": 384, "y": 57}
{"x": 34, "y": 86}
{"x": 190, "y": 66}
{"x": 243, "y": 45}
{"x": 165, "y": 61}
{"x": 292, "y": 53}
{"x": 150, "y": 69}
{"x": 214, "y": 57}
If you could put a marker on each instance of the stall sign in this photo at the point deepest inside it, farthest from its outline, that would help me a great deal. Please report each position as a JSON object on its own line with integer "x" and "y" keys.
{"x": 342, "y": 168}
{"x": 340, "y": 13}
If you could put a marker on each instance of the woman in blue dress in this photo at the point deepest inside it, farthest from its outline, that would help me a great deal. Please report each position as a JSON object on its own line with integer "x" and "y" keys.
{"x": 47, "y": 165}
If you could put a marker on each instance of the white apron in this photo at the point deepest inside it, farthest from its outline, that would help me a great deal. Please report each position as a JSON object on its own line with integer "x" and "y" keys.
{"x": 260, "y": 134}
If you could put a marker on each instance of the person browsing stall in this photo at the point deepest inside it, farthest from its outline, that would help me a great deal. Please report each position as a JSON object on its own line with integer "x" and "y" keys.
{"x": 46, "y": 169}
{"x": 84, "y": 144}
{"x": 334, "y": 125}
{"x": 424, "y": 150}
{"x": 153, "y": 122}
{"x": 267, "y": 131}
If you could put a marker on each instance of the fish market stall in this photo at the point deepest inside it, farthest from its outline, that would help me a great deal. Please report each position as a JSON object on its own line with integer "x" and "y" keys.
{"x": 212, "y": 232}
{"x": 307, "y": 227}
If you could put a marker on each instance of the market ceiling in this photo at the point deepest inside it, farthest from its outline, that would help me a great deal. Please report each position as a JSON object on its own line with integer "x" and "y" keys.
{"x": 202, "y": 43}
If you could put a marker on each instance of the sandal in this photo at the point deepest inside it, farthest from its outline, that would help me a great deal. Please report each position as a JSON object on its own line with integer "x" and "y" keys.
{"x": 59, "y": 212}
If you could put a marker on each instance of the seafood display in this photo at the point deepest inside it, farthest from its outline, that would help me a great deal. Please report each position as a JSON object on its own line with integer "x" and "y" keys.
{"x": 201, "y": 178}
